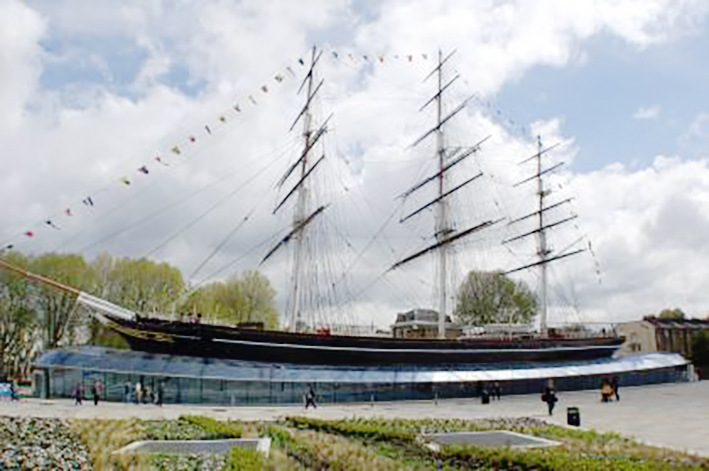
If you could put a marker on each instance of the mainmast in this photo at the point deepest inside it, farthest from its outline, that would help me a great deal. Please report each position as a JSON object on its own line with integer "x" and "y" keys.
{"x": 442, "y": 226}
{"x": 543, "y": 251}
{"x": 445, "y": 234}
{"x": 303, "y": 213}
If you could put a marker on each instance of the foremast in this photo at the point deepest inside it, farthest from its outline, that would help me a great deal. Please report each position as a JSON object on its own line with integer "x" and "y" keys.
{"x": 303, "y": 215}
{"x": 445, "y": 233}
{"x": 543, "y": 251}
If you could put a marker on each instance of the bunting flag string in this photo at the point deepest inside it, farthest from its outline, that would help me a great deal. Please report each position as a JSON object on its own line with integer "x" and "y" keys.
{"x": 177, "y": 149}
{"x": 181, "y": 147}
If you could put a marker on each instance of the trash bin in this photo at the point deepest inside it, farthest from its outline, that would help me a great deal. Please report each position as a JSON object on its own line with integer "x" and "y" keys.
{"x": 573, "y": 417}
{"x": 485, "y": 397}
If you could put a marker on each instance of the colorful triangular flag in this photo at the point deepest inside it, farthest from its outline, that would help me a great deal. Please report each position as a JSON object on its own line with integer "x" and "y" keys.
{"x": 176, "y": 150}
{"x": 29, "y": 234}
{"x": 144, "y": 170}
{"x": 125, "y": 180}
{"x": 68, "y": 212}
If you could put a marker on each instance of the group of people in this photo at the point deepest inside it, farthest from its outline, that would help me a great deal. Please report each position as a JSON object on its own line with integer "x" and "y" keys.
{"x": 143, "y": 394}
{"x": 96, "y": 389}
{"x": 495, "y": 392}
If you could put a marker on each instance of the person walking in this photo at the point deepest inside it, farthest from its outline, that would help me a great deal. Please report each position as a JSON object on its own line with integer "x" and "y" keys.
{"x": 161, "y": 391}
{"x": 614, "y": 385}
{"x": 496, "y": 390}
{"x": 138, "y": 392}
{"x": 550, "y": 398}
{"x": 95, "y": 389}
{"x": 606, "y": 390}
{"x": 310, "y": 398}
{"x": 78, "y": 394}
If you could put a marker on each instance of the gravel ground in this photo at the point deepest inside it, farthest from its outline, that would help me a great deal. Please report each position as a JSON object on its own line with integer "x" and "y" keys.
{"x": 33, "y": 443}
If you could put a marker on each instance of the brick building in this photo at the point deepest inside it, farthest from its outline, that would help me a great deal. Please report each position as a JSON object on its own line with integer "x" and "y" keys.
{"x": 661, "y": 335}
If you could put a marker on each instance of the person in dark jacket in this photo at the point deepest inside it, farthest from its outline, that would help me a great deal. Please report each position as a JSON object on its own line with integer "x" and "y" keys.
{"x": 550, "y": 398}
{"x": 95, "y": 390}
{"x": 78, "y": 394}
{"x": 496, "y": 390}
{"x": 310, "y": 398}
{"x": 161, "y": 391}
{"x": 614, "y": 385}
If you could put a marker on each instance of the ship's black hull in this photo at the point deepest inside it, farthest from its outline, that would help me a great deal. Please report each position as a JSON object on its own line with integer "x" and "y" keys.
{"x": 152, "y": 335}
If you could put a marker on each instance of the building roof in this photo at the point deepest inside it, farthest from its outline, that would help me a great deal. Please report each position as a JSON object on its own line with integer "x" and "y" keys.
{"x": 97, "y": 359}
{"x": 679, "y": 323}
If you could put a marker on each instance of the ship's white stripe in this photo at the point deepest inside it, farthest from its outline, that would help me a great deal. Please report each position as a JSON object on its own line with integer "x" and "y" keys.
{"x": 405, "y": 350}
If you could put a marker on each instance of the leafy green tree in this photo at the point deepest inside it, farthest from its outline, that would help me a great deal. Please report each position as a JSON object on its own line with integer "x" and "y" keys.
{"x": 140, "y": 285}
{"x": 700, "y": 348}
{"x": 57, "y": 309}
{"x": 18, "y": 321}
{"x": 675, "y": 314}
{"x": 492, "y": 297}
{"x": 249, "y": 298}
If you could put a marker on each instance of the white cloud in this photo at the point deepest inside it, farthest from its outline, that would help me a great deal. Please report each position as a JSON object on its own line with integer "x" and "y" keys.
{"x": 695, "y": 140}
{"x": 64, "y": 143}
{"x": 652, "y": 112}
{"x": 21, "y": 29}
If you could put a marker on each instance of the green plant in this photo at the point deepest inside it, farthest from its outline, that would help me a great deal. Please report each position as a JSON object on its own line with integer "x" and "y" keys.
{"x": 245, "y": 459}
{"x": 213, "y": 428}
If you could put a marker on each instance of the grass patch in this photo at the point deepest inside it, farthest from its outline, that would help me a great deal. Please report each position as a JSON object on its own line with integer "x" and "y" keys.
{"x": 246, "y": 460}
{"x": 103, "y": 437}
{"x": 373, "y": 444}
{"x": 580, "y": 449}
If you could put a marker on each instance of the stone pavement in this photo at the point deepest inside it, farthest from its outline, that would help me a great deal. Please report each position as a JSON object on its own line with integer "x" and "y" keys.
{"x": 671, "y": 415}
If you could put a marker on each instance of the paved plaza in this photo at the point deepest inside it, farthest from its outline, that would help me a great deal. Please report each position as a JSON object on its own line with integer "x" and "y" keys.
{"x": 671, "y": 415}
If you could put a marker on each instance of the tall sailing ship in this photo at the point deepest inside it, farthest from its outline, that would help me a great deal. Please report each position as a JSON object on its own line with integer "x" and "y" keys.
{"x": 153, "y": 334}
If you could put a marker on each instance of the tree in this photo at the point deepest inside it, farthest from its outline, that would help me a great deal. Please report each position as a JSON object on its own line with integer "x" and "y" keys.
{"x": 700, "y": 348}
{"x": 492, "y": 297}
{"x": 674, "y": 314}
{"x": 141, "y": 285}
{"x": 58, "y": 310}
{"x": 247, "y": 299}
{"x": 18, "y": 339}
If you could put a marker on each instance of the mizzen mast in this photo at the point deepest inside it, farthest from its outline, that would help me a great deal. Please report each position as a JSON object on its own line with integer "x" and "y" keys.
{"x": 543, "y": 251}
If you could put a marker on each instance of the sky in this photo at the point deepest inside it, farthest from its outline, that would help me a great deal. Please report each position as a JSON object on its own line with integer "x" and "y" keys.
{"x": 160, "y": 129}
